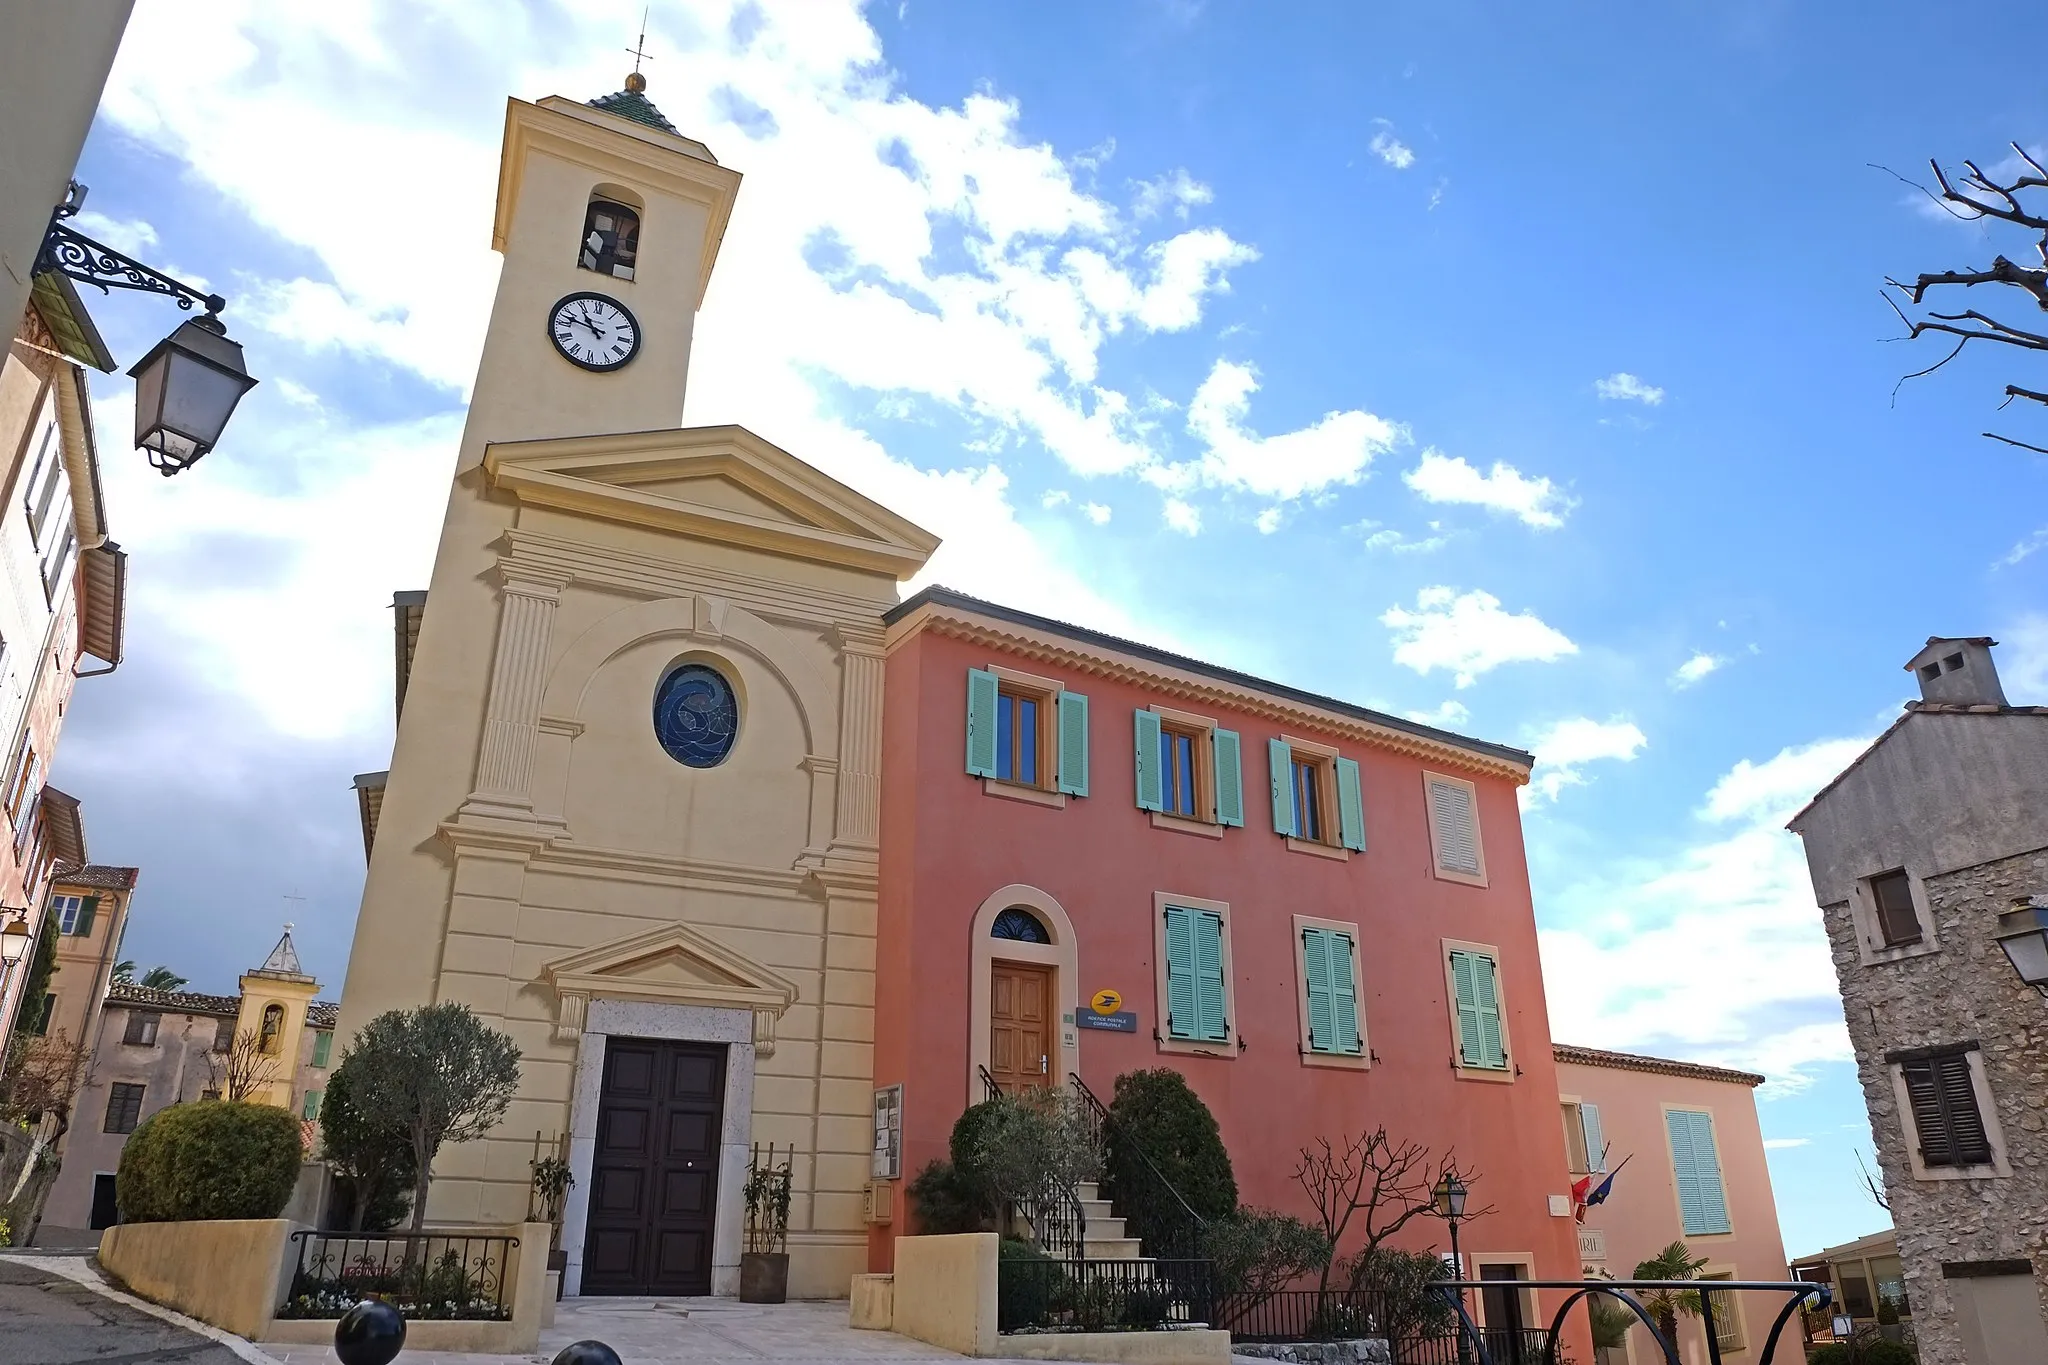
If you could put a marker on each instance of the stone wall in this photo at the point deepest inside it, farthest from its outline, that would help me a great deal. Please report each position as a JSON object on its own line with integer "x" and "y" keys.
{"x": 1962, "y": 990}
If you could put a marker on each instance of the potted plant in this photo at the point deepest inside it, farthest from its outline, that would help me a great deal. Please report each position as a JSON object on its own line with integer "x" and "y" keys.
{"x": 552, "y": 1181}
{"x": 764, "y": 1265}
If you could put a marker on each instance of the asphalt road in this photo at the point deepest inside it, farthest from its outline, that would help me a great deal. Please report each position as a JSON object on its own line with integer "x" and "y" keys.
{"x": 46, "y": 1319}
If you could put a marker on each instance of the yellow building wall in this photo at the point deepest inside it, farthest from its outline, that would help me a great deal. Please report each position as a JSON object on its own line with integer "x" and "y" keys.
{"x": 260, "y": 991}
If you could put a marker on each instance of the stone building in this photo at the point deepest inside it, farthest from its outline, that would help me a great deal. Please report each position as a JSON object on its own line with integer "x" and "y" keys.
{"x": 1919, "y": 851}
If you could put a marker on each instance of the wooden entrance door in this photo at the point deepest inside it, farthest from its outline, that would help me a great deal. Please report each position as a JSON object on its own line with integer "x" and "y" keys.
{"x": 1020, "y": 1049}
{"x": 654, "y": 1179}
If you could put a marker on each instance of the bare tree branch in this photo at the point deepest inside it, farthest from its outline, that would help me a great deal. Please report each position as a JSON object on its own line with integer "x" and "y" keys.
{"x": 2040, "y": 450}
{"x": 244, "y": 1069}
{"x": 2013, "y": 391}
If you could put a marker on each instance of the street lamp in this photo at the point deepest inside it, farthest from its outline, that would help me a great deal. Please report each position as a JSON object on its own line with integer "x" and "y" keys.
{"x": 14, "y": 938}
{"x": 187, "y": 387}
{"x": 1448, "y": 1202}
{"x": 2023, "y": 934}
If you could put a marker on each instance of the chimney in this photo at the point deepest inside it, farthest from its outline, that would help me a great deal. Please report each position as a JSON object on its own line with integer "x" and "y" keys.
{"x": 1958, "y": 671}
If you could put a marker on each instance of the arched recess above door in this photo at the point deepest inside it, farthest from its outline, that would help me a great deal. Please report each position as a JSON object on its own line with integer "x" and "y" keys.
{"x": 985, "y": 949}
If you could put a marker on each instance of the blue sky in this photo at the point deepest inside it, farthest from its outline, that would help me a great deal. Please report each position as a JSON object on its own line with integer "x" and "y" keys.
{"x": 1519, "y": 367}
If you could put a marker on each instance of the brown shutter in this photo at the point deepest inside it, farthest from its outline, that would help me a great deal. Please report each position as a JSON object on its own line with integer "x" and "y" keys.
{"x": 1925, "y": 1096}
{"x": 1893, "y": 893}
{"x": 1967, "y": 1138}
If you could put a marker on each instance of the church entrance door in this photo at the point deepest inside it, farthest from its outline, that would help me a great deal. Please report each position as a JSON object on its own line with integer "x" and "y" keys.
{"x": 1020, "y": 1026}
{"x": 654, "y": 1179}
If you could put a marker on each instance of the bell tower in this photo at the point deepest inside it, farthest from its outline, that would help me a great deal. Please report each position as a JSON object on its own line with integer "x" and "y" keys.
{"x": 609, "y": 221}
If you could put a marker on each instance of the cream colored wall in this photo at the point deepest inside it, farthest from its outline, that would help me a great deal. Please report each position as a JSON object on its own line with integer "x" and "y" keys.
{"x": 54, "y": 60}
{"x": 258, "y": 993}
{"x": 530, "y": 812}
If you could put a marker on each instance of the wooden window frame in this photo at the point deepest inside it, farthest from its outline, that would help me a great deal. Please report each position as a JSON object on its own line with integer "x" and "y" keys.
{"x": 1329, "y": 841}
{"x": 1436, "y": 857}
{"x": 1496, "y": 1076}
{"x": 1728, "y": 1307}
{"x": 1576, "y": 1156}
{"x": 1046, "y": 692}
{"x": 1201, "y": 731}
{"x": 1228, "y": 1046}
{"x": 140, "y": 1023}
{"x": 66, "y": 929}
{"x": 1899, "y": 878}
{"x": 1873, "y": 943}
{"x": 1998, "y": 1167}
{"x": 117, "y": 1095}
{"x": 1347, "y": 1061}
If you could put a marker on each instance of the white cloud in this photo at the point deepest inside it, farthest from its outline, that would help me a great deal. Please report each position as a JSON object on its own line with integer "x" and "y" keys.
{"x": 1446, "y": 478}
{"x": 1623, "y": 385}
{"x": 1468, "y": 634}
{"x": 1056, "y": 497}
{"x": 1175, "y": 192}
{"x": 1268, "y": 521}
{"x": 1378, "y": 537}
{"x": 1183, "y": 517}
{"x": 1714, "y": 950}
{"x": 1565, "y": 747}
{"x": 1696, "y": 668}
{"x": 1392, "y": 150}
{"x": 1096, "y": 512}
{"x": 1779, "y": 1144}
{"x": 1337, "y": 449}
{"x": 2023, "y": 550}
{"x": 130, "y": 236}
{"x": 1449, "y": 713}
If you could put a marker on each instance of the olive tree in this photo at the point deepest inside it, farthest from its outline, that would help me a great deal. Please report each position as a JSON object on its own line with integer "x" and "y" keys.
{"x": 440, "y": 1073}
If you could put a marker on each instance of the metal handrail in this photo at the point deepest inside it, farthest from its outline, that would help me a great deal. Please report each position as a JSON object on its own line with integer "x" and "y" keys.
{"x": 1103, "y": 1120}
{"x": 1800, "y": 1292}
{"x": 1059, "y": 1223}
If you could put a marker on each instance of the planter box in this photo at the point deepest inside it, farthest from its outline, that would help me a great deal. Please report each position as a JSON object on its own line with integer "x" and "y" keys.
{"x": 764, "y": 1277}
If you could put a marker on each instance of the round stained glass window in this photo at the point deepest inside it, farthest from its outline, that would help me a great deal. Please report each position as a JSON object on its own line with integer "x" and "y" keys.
{"x": 696, "y": 716}
{"x": 1020, "y": 925}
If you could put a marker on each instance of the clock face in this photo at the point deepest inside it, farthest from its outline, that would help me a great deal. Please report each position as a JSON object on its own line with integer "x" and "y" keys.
{"x": 593, "y": 331}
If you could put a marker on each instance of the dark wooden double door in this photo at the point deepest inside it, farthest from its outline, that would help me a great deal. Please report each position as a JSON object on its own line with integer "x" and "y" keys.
{"x": 654, "y": 1179}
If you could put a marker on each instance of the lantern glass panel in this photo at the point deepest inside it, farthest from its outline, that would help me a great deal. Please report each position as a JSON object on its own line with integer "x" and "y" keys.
{"x": 2028, "y": 953}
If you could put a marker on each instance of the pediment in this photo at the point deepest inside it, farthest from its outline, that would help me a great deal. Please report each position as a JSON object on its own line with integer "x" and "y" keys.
{"x": 721, "y": 484}
{"x": 674, "y": 964}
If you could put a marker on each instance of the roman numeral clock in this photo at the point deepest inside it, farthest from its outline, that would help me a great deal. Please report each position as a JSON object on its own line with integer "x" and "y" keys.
{"x": 594, "y": 331}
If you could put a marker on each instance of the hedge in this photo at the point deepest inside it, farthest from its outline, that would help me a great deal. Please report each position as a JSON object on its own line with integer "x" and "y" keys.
{"x": 213, "y": 1159}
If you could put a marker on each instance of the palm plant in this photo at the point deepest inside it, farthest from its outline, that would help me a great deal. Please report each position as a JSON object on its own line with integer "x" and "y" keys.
{"x": 124, "y": 970}
{"x": 1675, "y": 1262}
{"x": 161, "y": 978}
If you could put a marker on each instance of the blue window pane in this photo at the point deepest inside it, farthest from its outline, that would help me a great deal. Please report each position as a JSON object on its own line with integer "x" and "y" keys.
{"x": 1006, "y": 749}
{"x": 1021, "y": 925}
{"x": 1183, "y": 775}
{"x": 696, "y": 716}
{"x": 1307, "y": 814}
{"x": 1027, "y": 745}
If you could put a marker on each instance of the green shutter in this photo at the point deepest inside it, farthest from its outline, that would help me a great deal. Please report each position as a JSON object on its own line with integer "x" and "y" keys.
{"x": 1596, "y": 1140}
{"x": 1315, "y": 975}
{"x": 323, "y": 1046}
{"x": 1181, "y": 1012}
{"x": 82, "y": 926}
{"x": 1486, "y": 979}
{"x": 981, "y": 722}
{"x": 1350, "y": 806}
{"x": 1702, "y": 1203}
{"x": 1229, "y": 769}
{"x": 1151, "y": 793}
{"x": 1343, "y": 997}
{"x": 1073, "y": 744}
{"x": 1280, "y": 761}
{"x": 1213, "y": 1020}
{"x": 312, "y": 1105}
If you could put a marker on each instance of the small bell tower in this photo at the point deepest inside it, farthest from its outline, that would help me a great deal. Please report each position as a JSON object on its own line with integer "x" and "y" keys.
{"x": 609, "y": 221}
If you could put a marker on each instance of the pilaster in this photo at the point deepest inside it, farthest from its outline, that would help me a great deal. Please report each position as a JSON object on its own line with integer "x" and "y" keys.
{"x": 504, "y": 769}
{"x": 857, "y": 820}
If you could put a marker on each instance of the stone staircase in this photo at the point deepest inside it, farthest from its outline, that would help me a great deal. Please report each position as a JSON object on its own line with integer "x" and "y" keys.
{"x": 1103, "y": 1235}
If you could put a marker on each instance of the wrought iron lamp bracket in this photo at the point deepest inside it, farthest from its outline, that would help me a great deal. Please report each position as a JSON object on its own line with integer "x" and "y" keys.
{"x": 79, "y": 256}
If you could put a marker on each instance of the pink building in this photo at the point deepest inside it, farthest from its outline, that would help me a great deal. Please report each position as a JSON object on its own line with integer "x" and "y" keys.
{"x": 1319, "y": 914}
{"x": 1696, "y": 1174}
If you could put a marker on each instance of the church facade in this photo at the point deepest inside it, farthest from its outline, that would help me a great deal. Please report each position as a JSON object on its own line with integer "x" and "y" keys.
{"x": 686, "y": 799}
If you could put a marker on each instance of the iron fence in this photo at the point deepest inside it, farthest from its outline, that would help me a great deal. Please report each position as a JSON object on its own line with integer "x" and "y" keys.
{"x": 1301, "y": 1315}
{"x": 425, "y": 1275}
{"x": 1103, "y": 1296}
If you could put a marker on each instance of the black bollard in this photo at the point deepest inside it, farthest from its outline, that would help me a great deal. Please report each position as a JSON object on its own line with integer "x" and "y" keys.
{"x": 371, "y": 1333}
{"x": 586, "y": 1353}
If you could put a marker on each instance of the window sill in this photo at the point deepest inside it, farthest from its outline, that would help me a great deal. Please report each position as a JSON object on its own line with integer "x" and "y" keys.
{"x": 1341, "y": 854}
{"x": 1878, "y": 957}
{"x": 1445, "y": 874}
{"x": 1181, "y": 824}
{"x": 1017, "y": 791}
{"x": 1341, "y": 1061}
{"x": 1225, "y": 1050}
{"x": 1505, "y": 1076}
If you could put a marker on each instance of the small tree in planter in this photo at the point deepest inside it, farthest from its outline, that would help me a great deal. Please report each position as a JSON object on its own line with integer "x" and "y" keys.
{"x": 764, "y": 1266}
{"x": 552, "y": 1181}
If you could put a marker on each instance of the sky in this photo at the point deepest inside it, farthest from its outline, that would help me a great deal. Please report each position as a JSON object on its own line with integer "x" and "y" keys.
{"x": 1538, "y": 350}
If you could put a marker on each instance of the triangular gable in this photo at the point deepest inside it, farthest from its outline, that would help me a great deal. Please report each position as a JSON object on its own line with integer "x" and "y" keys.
{"x": 714, "y": 483}
{"x": 672, "y": 965}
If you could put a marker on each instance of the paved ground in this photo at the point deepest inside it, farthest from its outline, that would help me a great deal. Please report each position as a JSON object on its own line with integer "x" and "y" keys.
{"x": 49, "y": 1319}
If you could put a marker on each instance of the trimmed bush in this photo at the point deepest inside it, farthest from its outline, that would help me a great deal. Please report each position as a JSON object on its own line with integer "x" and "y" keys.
{"x": 1829, "y": 1353}
{"x": 1024, "y": 1299}
{"x": 1883, "y": 1352}
{"x": 1157, "y": 1111}
{"x": 947, "y": 1200}
{"x": 214, "y": 1159}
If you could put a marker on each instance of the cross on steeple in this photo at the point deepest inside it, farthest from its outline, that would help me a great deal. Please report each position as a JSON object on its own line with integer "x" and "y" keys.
{"x": 637, "y": 82}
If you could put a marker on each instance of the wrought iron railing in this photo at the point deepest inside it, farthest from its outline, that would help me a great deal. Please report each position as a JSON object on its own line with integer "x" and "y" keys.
{"x": 1302, "y": 1315}
{"x": 1059, "y": 1221}
{"x": 1471, "y": 1345}
{"x": 1170, "y": 1227}
{"x": 1103, "y": 1296}
{"x": 425, "y": 1275}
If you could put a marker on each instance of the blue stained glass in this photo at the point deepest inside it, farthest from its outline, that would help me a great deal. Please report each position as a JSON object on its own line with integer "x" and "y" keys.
{"x": 1020, "y": 925}
{"x": 696, "y": 716}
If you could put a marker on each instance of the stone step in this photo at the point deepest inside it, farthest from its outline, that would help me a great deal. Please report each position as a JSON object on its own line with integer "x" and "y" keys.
{"x": 1088, "y": 1192}
{"x": 1097, "y": 1211}
{"x": 1095, "y": 1248}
